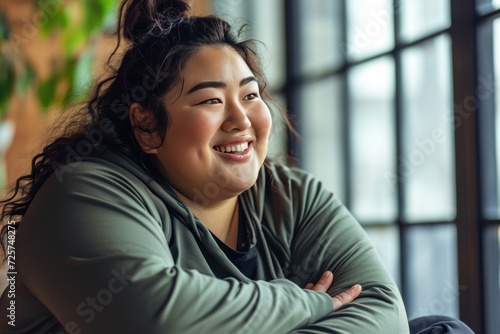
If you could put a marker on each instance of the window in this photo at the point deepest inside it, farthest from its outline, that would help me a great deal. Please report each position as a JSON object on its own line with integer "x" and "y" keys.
{"x": 397, "y": 105}
{"x": 398, "y": 144}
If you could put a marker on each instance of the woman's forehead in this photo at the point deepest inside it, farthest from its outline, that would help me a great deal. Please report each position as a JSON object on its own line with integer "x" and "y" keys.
{"x": 215, "y": 63}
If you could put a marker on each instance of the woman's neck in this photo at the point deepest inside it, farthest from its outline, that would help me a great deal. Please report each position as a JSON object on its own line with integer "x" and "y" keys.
{"x": 220, "y": 218}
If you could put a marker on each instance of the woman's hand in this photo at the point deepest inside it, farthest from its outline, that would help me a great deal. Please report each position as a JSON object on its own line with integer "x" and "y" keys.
{"x": 325, "y": 281}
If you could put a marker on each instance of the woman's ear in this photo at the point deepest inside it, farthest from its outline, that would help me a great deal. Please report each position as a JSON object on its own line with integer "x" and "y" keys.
{"x": 143, "y": 121}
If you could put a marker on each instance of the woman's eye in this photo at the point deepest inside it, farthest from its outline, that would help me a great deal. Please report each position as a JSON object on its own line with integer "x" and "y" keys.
{"x": 211, "y": 101}
{"x": 251, "y": 96}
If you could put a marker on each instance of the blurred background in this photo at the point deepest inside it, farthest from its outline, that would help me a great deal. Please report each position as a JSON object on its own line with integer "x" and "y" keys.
{"x": 396, "y": 103}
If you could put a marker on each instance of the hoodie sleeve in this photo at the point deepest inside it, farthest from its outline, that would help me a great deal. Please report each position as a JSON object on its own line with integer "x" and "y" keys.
{"x": 91, "y": 251}
{"x": 326, "y": 237}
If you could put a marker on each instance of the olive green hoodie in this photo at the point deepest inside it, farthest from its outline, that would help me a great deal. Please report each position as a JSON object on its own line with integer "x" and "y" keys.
{"x": 104, "y": 248}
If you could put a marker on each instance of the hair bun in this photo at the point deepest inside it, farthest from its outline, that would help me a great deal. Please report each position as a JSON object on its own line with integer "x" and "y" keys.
{"x": 145, "y": 18}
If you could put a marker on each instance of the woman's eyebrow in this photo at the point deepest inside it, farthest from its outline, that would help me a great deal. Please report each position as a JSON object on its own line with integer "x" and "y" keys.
{"x": 207, "y": 84}
{"x": 248, "y": 80}
{"x": 218, "y": 84}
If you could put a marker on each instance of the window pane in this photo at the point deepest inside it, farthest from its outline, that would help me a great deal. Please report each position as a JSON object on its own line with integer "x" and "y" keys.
{"x": 487, "y": 95}
{"x": 493, "y": 209}
{"x": 484, "y": 6}
{"x": 432, "y": 271}
{"x": 372, "y": 143}
{"x": 321, "y": 133}
{"x": 426, "y": 166}
{"x": 423, "y": 17}
{"x": 321, "y": 33}
{"x": 386, "y": 242}
{"x": 266, "y": 25}
{"x": 491, "y": 253}
{"x": 370, "y": 25}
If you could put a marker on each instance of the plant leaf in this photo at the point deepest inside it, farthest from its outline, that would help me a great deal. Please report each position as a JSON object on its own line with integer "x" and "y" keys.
{"x": 4, "y": 27}
{"x": 74, "y": 39}
{"x": 83, "y": 75}
{"x": 110, "y": 19}
{"x": 25, "y": 78}
{"x": 54, "y": 14}
{"x": 69, "y": 77}
{"x": 47, "y": 92}
{"x": 6, "y": 83}
{"x": 93, "y": 14}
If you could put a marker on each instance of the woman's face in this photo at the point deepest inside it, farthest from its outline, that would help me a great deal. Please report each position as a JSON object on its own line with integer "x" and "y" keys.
{"x": 218, "y": 130}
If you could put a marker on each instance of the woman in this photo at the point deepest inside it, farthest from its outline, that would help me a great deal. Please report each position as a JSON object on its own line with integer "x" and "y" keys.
{"x": 157, "y": 212}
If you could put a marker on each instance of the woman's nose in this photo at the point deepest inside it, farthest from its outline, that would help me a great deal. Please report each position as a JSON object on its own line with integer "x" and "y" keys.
{"x": 236, "y": 118}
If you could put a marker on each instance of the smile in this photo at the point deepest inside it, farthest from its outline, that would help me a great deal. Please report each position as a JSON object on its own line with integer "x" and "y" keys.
{"x": 232, "y": 148}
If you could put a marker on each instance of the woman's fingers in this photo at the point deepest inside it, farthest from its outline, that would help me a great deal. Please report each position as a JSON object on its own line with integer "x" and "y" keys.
{"x": 346, "y": 297}
{"x": 323, "y": 283}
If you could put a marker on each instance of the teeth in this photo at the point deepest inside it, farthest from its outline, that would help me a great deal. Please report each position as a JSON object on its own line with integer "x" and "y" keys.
{"x": 232, "y": 149}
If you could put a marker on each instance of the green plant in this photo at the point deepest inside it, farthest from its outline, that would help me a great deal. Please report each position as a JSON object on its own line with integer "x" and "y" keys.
{"x": 76, "y": 24}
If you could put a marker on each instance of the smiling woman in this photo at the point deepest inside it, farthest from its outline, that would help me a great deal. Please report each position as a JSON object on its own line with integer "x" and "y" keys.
{"x": 157, "y": 210}
{"x": 214, "y": 112}
{"x": 225, "y": 111}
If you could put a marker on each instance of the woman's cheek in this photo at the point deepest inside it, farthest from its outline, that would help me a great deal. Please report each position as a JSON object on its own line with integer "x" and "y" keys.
{"x": 264, "y": 120}
{"x": 199, "y": 127}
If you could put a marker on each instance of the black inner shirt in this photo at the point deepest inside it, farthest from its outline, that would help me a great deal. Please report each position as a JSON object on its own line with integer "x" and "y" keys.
{"x": 244, "y": 257}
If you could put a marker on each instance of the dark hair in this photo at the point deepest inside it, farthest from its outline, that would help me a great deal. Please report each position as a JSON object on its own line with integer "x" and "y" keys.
{"x": 161, "y": 37}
